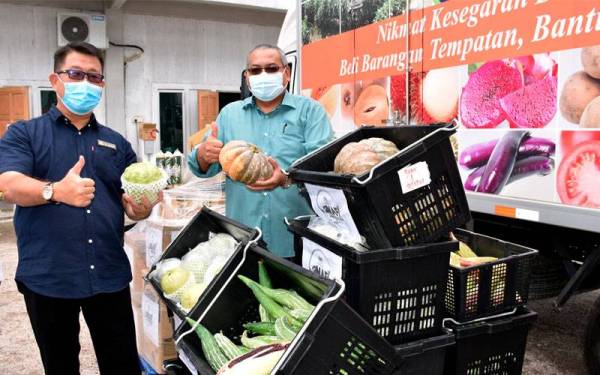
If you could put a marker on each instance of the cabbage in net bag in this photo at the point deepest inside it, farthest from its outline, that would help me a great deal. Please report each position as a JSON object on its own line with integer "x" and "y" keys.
{"x": 143, "y": 179}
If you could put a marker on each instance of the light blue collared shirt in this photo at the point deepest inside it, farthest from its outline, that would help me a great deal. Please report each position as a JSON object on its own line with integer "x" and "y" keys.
{"x": 298, "y": 126}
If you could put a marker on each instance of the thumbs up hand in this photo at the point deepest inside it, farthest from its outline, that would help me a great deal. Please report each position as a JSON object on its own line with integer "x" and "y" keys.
{"x": 210, "y": 149}
{"x": 73, "y": 189}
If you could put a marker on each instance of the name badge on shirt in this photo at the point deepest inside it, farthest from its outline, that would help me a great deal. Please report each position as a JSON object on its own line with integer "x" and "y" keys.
{"x": 107, "y": 144}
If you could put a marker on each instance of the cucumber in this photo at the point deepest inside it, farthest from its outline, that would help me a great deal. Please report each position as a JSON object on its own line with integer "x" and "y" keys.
{"x": 285, "y": 331}
{"x": 215, "y": 357}
{"x": 228, "y": 348}
{"x": 261, "y": 328}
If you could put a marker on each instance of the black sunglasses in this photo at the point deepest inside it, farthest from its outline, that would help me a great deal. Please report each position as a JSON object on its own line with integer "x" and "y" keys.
{"x": 79, "y": 75}
{"x": 256, "y": 70}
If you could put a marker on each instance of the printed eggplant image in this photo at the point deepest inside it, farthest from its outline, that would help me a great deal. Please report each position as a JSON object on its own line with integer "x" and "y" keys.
{"x": 499, "y": 162}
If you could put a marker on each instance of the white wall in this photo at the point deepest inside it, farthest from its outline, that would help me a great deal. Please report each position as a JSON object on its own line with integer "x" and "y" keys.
{"x": 27, "y": 45}
{"x": 185, "y": 53}
{"x": 180, "y": 52}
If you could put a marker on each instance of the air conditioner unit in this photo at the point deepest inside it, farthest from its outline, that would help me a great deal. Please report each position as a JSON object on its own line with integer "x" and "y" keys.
{"x": 82, "y": 27}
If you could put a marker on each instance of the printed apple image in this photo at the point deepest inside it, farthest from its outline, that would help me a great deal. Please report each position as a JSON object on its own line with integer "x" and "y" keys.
{"x": 372, "y": 107}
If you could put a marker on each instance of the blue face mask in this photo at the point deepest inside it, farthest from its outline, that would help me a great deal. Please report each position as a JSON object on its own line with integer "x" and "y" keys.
{"x": 265, "y": 86}
{"x": 81, "y": 97}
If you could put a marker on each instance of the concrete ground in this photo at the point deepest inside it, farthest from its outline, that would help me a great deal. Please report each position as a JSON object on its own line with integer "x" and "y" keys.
{"x": 554, "y": 344}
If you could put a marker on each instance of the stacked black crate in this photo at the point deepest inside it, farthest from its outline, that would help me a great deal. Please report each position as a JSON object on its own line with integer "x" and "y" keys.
{"x": 405, "y": 208}
{"x": 485, "y": 307}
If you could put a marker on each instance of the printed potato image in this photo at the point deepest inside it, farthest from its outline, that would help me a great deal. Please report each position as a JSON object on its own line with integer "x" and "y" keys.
{"x": 372, "y": 107}
{"x": 591, "y": 115}
{"x": 590, "y": 59}
{"x": 579, "y": 90}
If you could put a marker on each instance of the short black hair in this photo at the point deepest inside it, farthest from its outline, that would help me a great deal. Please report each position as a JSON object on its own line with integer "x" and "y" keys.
{"x": 82, "y": 47}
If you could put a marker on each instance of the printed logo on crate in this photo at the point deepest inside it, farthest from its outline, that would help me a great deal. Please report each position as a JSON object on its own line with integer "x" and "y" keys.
{"x": 331, "y": 204}
{"x": 320, "y": 260}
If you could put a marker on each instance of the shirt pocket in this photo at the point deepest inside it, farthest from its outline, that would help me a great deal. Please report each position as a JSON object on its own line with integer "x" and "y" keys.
{"x": 291, "y": 140}
{"x": 108, "y": 165}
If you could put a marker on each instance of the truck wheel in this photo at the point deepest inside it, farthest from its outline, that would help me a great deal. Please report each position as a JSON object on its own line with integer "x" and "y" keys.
{"x": 591, "y": 344}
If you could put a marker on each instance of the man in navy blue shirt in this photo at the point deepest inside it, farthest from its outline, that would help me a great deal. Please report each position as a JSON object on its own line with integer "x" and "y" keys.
{"x": 63, "y": 170}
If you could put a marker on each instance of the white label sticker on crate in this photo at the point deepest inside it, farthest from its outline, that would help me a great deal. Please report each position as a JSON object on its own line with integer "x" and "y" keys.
{"x": 150, "y": 314}
{"x": 187, "y": 362}
{"x": 414, "y": 176}
{"x": 153, "y": 245}
{"x": 320, "y": 260}
{"x": 331, "y": 205}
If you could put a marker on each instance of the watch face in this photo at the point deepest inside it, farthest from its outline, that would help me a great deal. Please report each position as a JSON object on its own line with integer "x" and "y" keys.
{"x": 47, "y": 192}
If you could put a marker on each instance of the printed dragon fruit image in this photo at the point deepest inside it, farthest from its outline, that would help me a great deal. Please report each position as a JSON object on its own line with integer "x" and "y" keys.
{"x": 521, "y": 90}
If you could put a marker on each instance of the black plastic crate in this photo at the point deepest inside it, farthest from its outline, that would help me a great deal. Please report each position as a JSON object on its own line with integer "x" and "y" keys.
{"x": 196, "y": 231}
{"x": 383, "y": 213}
{"x": 335, "y": 340}
{"x": 493, "y": 347}
{"x": 425, "y": 356}
{"x": 400, "y": 292}
{"x": 490, "y": 288}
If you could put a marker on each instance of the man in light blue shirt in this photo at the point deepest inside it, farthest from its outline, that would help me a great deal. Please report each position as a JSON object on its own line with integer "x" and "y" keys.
{"x": 286, "y": 127}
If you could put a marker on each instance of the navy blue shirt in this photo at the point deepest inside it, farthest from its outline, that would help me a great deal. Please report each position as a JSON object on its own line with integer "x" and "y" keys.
{"x": 66, "y": 251}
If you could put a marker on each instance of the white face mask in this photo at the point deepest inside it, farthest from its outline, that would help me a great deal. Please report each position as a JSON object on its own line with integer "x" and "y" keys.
{"x": 265, "y": 86}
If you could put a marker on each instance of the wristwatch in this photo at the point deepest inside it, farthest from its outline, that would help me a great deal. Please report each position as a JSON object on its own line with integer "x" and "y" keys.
{"x": 48, "y": 191}
{"x": 287, "y": 183}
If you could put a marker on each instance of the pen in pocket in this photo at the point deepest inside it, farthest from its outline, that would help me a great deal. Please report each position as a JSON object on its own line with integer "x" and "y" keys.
{"x": 284, "y": 126}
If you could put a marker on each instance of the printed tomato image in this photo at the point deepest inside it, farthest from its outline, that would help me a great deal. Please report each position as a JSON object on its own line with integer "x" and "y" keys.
{"x": 571, "y": 138}
{"x": 579, "y": 171}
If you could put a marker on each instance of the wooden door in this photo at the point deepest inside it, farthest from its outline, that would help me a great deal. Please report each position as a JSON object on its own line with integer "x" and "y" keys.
{"x": 208, "y": 107}
{"x": 14, "y": 106}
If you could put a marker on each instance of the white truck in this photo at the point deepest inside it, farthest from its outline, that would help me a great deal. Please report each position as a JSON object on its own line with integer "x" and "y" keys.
{"x": 494, "y": 68}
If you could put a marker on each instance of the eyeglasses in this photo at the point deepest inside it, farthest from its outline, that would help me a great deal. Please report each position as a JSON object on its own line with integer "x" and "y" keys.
{"x": 256, "y": 70}
{"x": 79, "y": 75}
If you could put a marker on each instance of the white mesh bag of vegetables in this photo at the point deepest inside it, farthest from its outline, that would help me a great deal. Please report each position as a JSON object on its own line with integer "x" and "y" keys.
{"x": 175, "y": 281}
{"x": 222, "y": 245}
{"x": 141, "y": 179}
{"x": 197, "y": 261}
{"x": 163, "y": 266}
{"x": 214, "y": 268}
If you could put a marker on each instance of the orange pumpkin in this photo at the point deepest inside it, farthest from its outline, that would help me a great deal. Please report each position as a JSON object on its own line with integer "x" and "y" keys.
{"x": 359, "y": 157}
{"x": 244, "y": 162}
